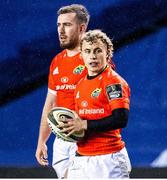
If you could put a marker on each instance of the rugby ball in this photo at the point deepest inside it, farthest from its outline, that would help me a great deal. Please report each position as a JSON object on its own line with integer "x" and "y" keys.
{"x": 54, "y": 117}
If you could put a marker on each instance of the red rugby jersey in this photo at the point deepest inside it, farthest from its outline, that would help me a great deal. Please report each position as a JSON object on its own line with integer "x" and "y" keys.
{"x": 95, "y": 99}
{"x": 65, "y": 72}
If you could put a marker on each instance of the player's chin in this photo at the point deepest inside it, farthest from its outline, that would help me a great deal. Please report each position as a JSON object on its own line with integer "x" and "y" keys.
{"x": 64, "y": 44}
{"x": 94, "y": 70}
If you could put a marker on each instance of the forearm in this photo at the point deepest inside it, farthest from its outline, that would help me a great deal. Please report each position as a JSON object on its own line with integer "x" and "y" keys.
{"x": 44, "y": 131}
{"x": 117, "y": 120}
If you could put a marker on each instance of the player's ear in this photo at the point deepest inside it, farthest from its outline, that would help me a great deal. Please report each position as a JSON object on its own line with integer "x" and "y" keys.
{"x": 108, "y": 54}
{"x": 83, "y": 28}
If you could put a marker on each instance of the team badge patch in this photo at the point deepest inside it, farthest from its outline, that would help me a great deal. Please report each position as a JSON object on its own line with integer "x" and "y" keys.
{"x": 114, "y": 91}
{"x": 79, "y": 69}
{"x": 96, "y": 93}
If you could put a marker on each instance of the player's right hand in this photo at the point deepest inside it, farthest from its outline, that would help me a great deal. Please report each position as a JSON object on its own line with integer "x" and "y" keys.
{"x": 42, "y": 155}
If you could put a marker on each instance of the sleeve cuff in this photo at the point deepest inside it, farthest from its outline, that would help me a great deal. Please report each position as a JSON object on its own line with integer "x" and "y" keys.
{"x": 52, "y": 91}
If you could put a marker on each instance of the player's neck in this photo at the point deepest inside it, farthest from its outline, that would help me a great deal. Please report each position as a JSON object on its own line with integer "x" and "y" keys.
{"x": 72, "y": 52}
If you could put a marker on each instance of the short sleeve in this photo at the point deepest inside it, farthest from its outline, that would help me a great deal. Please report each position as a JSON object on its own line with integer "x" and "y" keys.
{"x": 118, "y": 94}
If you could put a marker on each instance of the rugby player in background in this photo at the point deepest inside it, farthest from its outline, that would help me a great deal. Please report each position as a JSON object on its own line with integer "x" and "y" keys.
{"x": 66, "y": 69}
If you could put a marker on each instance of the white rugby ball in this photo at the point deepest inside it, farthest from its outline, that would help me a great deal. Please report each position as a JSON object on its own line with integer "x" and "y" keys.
{"x": 54, "y": 117}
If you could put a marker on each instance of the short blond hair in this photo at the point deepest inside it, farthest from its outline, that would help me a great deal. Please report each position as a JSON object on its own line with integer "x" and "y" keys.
{"x": 94, "y": 35}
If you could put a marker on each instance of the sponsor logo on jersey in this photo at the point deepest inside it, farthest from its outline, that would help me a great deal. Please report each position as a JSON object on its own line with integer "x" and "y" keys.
{"x": 84, "y": 103}
{"x": 56, "y": 71}
{"x": 96, "y": 93}
{"x": 65, "y": 86}
{"x": 79, "y": 69}
{"x": 64, "y": 79}
{"x": 91, "y": 111}
{"x": 114, "y": 91}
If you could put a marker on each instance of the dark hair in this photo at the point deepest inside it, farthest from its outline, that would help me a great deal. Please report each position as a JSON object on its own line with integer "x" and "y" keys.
{"x": 82, "y": 13}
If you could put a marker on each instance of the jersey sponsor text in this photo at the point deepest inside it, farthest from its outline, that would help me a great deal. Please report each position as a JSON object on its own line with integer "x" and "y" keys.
{"x": 65, "y": 86}
{"x": 91, "y": 111}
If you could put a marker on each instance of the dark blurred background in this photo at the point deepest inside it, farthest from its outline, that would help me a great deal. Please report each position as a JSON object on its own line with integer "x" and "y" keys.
{"x": 28, "y": 42}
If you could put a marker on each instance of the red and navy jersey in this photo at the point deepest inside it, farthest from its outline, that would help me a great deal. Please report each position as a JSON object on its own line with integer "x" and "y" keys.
{"x": 65, "y": 72}
{"x": 95, "y": 99}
